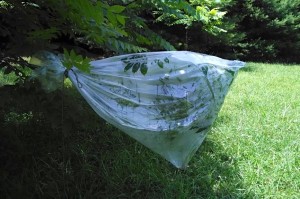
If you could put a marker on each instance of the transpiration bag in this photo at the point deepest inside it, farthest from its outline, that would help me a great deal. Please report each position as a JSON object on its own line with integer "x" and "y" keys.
{"x": 171, "y": 108}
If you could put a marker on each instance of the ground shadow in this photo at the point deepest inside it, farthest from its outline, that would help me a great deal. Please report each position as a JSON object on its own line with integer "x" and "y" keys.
{"x": 61, "y": 149}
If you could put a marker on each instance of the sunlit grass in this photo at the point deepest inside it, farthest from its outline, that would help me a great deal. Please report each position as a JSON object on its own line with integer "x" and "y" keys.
{"x": 252, "y": 151}
{"x": 261, "y": 129}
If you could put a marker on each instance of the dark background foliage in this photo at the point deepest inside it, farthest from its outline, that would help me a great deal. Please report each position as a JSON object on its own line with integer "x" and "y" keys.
{"x": 257, "y": 30}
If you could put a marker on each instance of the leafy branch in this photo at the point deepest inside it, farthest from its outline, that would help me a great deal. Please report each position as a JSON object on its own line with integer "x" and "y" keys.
{"x": 73, "y": 60}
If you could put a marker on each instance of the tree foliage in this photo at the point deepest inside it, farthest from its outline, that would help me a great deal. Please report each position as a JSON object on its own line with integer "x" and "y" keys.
{"x": 88, "y": 26}
{"x": 273, "y": 28}
{"x": 257, "y": 30}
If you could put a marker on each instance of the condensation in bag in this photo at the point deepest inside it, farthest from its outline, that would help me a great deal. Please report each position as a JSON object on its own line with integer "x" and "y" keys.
{"x": 171, "y": 108}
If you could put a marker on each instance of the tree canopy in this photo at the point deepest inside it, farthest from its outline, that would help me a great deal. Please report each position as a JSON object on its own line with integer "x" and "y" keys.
{"x": 257, "y": 30}
{"x": 253, "y": 30}
{"x": 87, "y": 26}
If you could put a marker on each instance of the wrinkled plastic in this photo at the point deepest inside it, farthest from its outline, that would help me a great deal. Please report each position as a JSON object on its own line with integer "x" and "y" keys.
{"x": 51, "y": 70}
{"x": 171, "y": 108}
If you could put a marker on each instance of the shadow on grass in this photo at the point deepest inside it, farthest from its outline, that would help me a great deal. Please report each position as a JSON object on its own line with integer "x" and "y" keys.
{"x": 89, "y": 158}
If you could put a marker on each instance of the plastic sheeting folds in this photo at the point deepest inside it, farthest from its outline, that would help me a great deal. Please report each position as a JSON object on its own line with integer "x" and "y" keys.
{"x": 170, "y": 109}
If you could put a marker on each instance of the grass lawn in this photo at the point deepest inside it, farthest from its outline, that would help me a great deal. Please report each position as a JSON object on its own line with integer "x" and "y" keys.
{"x": 253, "y": 150}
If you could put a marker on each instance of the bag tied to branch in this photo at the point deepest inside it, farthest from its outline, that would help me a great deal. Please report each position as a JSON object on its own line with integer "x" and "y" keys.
{"x": 165, "y": 100}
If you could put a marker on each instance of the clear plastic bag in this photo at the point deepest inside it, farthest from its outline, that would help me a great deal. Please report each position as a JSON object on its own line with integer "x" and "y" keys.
{"x": 51, "y": 70}
{"x": 171, "y": 108}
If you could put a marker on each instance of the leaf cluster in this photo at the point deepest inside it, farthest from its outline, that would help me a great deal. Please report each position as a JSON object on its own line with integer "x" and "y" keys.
{"x": 140, "y": 62}
{"x": 73, "y": 60}
{"x": 195, "y": 11}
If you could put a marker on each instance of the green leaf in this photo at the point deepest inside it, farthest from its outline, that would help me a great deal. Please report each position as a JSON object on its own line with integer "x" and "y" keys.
{"x": 116, "y": 9}
{"x": 72, "y": 55}
{"x": 121, "y": 19}
{"x": 128, "y": 66}
{"x": 71, "y": 59}
{"x": 143, "y": 40}
{"x": 144, "y": 69}
{"x": 121, "y": 31}
{"x": 112, "y": 18}
{"x": 135, "y": 67}
{"x": 79, "y": 58}
{"x": 205, "y": 70}
{"x": 44, "y": 34}
{"x": 160, "y": 64}
{"x": 66, "y": 54}
{"x": 83, "y": 67}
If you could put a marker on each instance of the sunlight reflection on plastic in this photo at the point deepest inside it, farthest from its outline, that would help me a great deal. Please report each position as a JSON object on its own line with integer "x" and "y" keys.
{"x": 182, "y": 72}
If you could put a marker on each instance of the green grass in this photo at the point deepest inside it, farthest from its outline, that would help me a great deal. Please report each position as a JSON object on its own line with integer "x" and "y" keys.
{"x": 253, "y": 150}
